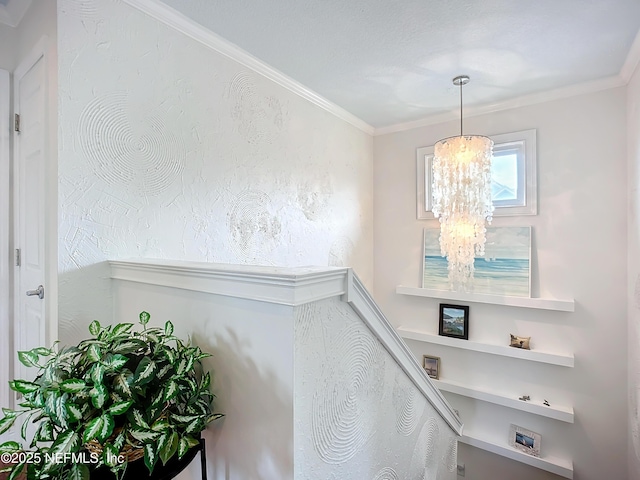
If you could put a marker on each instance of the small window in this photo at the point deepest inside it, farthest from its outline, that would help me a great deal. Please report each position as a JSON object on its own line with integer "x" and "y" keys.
{"x": 513, "y": 176}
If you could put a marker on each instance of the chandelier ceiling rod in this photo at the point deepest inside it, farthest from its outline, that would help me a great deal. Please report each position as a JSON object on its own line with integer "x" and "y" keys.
{"x": 460, "y": 81}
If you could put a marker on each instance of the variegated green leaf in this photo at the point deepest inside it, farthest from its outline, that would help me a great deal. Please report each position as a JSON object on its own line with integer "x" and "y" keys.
{"x": 97, "y": 373}
{"x": 206, "y": 381}
{"x": 190, "y": 361}
{"x": 152, "y": 337}
{"x": 168, "y": 328}
{"x": 150, "y": 456}
{"x": 78, "y": 471}
{"x": 6, "y": 423}
{"x": 45, "y": 352}
{"x": 28, "y": 359}
{"x": 144, "y": 318}
{"x": 116, "y": 397}
{"x": 194, "y": 427}
{"x": 171, "y": 390}
{"x": 129, "y": 346}
{"x": 184, "y": 418}
{"x": 10, "y": 447}
{"x": 160, "y": 426}
{"x": 107, "y": 426}
{"x": 75, "y": 413}
{"x": 99, "y": 395}
{"x": 137, "y": 418}
{"x": 186, "y": 443}
{"x": 94, "y": 328}
{"x": 67, "y": 354}
{"x": 115, "y": 362}
{"x": 193, "y": 386}
{"x": 118, "y": 443}
{"x": 92, "y": 429}
{"x": 94, "y": 353}
{"x": 170, "y": 447}
{"x": 25, "y": 425}
{"x": 7, "y": 412}
{"x": 120, "y": 407}
{"x": 143, "y": 435}
{"x": 22, "y": 386}
{"x": 73, "y": 385}
{"x": 50, "y": 405}
{"x": 158, "y": 399}
{"x": 170, "y": 355}
{"x": 162, "y": 373}
{"x": 17, "y": 470}
{"x": 213, "y": 416}
{"x": 162, "y": 440}
{"x": 122, "y": 383}
{"x": 181, "y": 368}
{"x": 145, "y": 371}
{"x": 121, "y": 328}
{"x": 45, "y": 431}
{"x": 66, "y": 442}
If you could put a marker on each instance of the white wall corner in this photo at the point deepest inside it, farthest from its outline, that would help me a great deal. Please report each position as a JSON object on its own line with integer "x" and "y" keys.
{"x": 632, "y": 61}
{"x": 11, "y": 14}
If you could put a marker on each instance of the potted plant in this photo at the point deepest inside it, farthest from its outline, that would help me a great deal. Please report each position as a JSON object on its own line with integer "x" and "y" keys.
{"x": 119, "y": 399}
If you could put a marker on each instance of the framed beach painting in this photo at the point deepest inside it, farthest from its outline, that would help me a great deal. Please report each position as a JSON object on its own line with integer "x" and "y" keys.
{"x": 505, "y": 268}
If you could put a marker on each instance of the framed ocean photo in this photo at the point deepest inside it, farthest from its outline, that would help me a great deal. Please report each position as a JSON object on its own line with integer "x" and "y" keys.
{"x": 505, "y": 268}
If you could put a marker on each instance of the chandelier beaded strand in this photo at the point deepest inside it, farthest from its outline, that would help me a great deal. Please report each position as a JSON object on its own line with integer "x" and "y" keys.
{"x": 462, "y": 198}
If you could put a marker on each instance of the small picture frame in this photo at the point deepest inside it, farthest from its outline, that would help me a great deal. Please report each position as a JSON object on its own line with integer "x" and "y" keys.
{"x": 454, "y": 321}
{"x": 431, "y": 365}
{"x": 525, "y": 440}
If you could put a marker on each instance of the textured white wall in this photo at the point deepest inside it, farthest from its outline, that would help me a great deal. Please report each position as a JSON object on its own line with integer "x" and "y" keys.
{"x": 579, "y": 251}
{"x": 633, "y": 265}
{"x": 357, "y": 415}
{"x": 170, "y": 150}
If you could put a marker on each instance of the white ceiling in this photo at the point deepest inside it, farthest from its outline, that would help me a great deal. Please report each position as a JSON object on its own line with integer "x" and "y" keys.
{"x": 392, "y": 61}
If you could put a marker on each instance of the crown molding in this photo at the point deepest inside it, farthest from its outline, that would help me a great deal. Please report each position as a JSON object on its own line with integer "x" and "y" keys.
{"x": 12, "y": 13}
{"x": 181, "y": 23}
{"x": 632, "y": 61}
{"x": 522, "y": 101}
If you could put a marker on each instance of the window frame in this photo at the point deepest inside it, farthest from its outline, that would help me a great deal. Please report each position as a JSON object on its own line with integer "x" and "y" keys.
{"x": 524, "y": 142}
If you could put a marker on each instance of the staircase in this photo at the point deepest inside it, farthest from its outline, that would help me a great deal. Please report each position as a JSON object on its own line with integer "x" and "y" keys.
{"x": 314, "y": 381}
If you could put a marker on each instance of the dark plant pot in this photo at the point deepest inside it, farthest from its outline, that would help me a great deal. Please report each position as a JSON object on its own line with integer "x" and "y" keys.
{"x": 137, "y": 470}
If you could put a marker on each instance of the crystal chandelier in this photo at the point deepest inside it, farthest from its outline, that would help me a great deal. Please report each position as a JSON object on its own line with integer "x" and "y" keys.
{"x": 462, "y": 198}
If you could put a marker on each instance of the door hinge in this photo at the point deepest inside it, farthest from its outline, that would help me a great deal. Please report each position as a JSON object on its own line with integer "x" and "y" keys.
{"x": 18, "y": 259}
{"x": 16, "y": 123}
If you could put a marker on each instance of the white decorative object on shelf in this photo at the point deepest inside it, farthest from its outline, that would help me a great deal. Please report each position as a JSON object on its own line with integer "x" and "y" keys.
{"x": 539, "y": 303}
{"x": 564, "y": 414}
{"x": 559, "y": 466}
{"x": 563, "y": 360}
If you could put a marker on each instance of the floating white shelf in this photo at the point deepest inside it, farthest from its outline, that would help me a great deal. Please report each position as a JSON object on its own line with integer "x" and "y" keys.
{"x": 564, "y": 414}
{"x": 531, "y": 355}
{"x": 559, "y": 466}
{"x": 524, "y": 302}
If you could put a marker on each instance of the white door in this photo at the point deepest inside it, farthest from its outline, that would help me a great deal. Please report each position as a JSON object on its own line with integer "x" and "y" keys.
{"x": 30, "y": 166}
{"x": 5, "y": 252}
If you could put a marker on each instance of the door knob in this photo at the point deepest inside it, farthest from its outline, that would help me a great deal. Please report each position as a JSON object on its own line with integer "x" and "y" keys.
{"x": 38, "y": 291}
